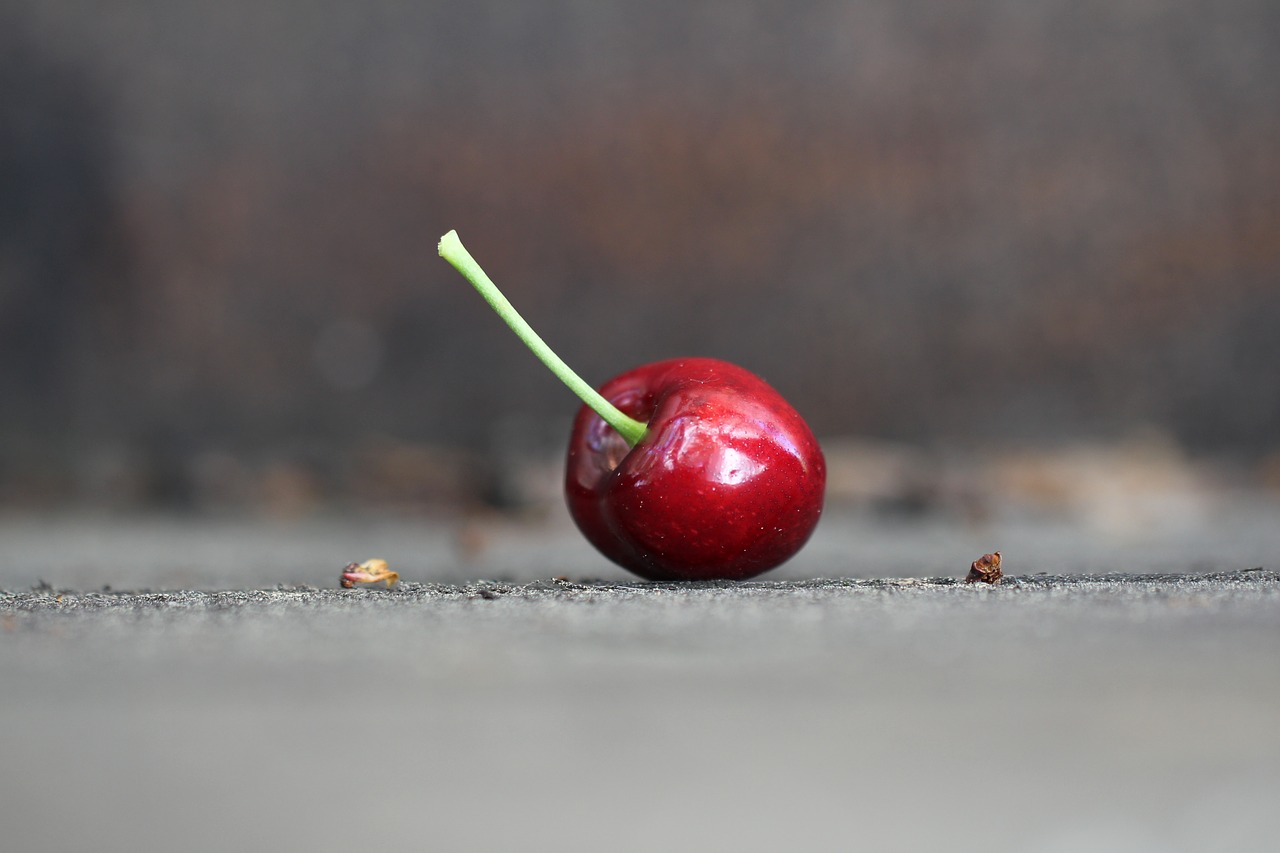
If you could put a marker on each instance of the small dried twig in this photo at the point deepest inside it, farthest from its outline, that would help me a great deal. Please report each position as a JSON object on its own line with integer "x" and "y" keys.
{"x": 985, "y": 569}
{"x": 370, "y": 571}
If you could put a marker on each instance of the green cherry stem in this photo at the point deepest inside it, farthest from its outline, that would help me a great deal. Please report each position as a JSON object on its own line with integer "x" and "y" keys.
{"x": 452, "y": 250}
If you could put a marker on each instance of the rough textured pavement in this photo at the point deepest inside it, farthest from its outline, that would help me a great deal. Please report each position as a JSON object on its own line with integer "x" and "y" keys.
{"x": 1120, "y": 711}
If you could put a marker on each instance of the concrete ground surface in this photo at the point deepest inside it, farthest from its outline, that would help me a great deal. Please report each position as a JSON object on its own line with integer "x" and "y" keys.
{"x": 1119, "y": 691}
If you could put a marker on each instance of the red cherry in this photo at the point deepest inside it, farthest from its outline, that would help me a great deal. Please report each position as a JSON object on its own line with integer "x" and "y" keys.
{"x": 689, "y": 469}
{"x": 727, "y": 481}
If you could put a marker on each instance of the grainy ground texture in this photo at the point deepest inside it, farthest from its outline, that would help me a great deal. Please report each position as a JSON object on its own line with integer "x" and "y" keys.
{"x": 1114, "y": 693}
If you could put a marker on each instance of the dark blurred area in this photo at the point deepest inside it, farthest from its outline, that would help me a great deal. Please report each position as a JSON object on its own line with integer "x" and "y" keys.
{"x": 950, "y": 227}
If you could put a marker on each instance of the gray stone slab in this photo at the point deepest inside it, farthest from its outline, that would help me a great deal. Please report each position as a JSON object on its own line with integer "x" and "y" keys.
{"x": 1053, "y": 712}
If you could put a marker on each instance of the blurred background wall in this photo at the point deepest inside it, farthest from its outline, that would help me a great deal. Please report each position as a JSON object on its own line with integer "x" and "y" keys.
{"x": 990, "y": 224}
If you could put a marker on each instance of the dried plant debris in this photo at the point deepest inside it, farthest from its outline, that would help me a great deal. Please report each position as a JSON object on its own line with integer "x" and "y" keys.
{"x": 985, "y": 569}
{"x": 370, "y": 571}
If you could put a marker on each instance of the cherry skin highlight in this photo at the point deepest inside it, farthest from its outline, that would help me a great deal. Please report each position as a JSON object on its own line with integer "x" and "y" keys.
{"x": 726, "y": 482}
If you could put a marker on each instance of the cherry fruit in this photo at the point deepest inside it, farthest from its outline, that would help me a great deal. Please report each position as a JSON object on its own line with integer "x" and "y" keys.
{"x": 686, "y": 469}
{"x": 726, "y": 483}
